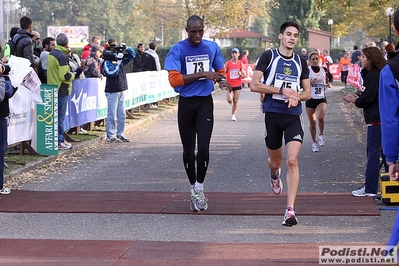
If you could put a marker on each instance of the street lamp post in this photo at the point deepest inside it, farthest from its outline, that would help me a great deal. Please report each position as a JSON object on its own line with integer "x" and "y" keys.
{"x": 389, "y": 12}
{"x": 330, "y": 22}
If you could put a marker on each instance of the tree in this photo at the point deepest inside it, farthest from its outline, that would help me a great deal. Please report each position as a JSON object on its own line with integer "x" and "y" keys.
{"x": 303, "y": 12}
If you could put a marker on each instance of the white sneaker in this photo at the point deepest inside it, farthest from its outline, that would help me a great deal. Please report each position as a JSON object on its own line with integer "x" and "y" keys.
{"x": 5, "y": 191}
{"x": 315, "y": 147}
{"x": 67, "y": 144}
{"x": 233, "y": 118}
{"x": 62, "y": 146}
{"x": 321, "y": 140}
{"x": 361, "y": 192}
{"x": 276, "y": 184}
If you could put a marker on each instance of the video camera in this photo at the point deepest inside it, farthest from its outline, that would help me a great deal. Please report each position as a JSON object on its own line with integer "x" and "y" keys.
{"x": 111, "y": 53}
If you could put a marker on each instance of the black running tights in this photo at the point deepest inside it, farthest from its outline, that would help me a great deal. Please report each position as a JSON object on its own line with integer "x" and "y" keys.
{"x": 195, "y": 119}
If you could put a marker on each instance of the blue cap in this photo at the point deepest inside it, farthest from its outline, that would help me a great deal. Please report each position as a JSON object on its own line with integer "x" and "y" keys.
{"x": 235, "y": 50}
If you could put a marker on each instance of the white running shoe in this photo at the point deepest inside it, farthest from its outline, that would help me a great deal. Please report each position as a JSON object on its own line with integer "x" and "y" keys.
{"x": 361, "y": 192}
{"x": 233, "y": 118}
{"x": 315, "y": 147}
{"x": 290, "y": 218}
{"x": 321, "y": 140}
{"x": 275, "y": 183}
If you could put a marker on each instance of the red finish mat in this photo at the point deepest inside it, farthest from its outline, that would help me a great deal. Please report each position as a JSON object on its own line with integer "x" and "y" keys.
{"x": 220, "y": 203}
{"x": 113, "y": 252}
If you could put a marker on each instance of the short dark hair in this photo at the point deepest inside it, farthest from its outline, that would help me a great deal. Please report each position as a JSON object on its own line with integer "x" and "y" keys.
{"x": 355, "y": 47}
{"x": 25, "y": 22}
{"x": 288, "y": 24}
{"x": 139, "y": 45}
{"x": 47, "y": 41}
{"x": 152, "y": 45}
{"x": 194, "y": 18}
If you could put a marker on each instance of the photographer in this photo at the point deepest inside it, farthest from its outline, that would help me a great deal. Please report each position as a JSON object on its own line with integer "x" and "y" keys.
{"x": 115, "y": 58}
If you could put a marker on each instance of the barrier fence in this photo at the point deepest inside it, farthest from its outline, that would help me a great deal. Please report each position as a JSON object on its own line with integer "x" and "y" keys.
{"x": 39, "y": 122}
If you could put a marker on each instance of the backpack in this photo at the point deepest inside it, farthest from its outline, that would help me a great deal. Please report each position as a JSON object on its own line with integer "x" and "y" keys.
{"x": 13, "y": 45}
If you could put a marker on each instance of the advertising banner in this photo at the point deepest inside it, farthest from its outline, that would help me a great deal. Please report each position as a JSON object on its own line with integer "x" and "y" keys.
{"x": 21, "y": 112}
{"x": 83, "y": 104}
{"x": 47, "y": 121}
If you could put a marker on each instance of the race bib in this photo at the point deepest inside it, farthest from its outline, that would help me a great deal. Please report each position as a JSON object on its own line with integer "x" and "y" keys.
{"x": 284, "y": 81}
{"x": 318, "y": 91}
{"x": 234, "y": 74}
{"x": 197, "y": 63}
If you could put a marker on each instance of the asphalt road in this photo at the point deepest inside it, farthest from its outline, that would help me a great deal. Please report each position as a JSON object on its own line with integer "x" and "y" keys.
{"x": 152, "y": 161}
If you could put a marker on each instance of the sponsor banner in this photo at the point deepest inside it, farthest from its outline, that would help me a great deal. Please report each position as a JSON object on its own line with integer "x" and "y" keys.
{"x": 136, "y": 95}
{"x": 47, "y": 122}
{"x": 83, "y": 103}
{"x": 101, "y": 100}
{"x": 361, "y": 255}
{"x": 354, "y": 78}
{"x": 249, "y": 71}
{"x": 153, "y": 95}
{"x": 21, "y": 116}
{"x": 78, "y": 36}
{"x": 335, "y": 70}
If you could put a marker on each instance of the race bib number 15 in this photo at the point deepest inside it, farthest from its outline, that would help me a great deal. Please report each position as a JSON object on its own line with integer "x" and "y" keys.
{"x": 284, "y": 81}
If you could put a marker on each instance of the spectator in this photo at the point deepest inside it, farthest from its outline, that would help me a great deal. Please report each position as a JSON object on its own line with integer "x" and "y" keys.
{"x": 95, "y": 41}
{"x": 36, "y": 39}
{"x": 244, "y": 60}
{"x": 390, "y": 51}
{"x": 115, "y": 87}
{"x": 304, "y": 54}
{"x": 60, "y": 74}
{"x": 153, "y": 51}
{"x": 372, "y": 61}
{"x": 92, "y": 69}
{"x": 48, "y": 46}
{"x": 7, "y": 51}
{"x": 6, "y": 92}
{"x": 355, "y": 59}
{"x": 25, "y": 45}
{"x": 138, "y": 61}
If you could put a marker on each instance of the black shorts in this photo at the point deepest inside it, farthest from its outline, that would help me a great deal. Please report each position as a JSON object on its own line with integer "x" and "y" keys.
{"x": 277, "y": 125}
{"x": 236, "y": 88}
{"x": 313, "y": 103}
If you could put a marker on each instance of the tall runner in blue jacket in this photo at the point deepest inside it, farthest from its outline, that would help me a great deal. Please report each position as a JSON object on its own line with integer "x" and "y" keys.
{"x": 191, "y": 64}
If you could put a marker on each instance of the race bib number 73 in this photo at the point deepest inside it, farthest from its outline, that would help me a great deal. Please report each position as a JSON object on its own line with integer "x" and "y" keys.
{"x": 197, "y": 63}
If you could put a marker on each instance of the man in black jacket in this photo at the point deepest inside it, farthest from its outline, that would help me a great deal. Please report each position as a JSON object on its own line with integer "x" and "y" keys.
{"x": 24, "y": 41}
{"x": 115, "y": 86}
